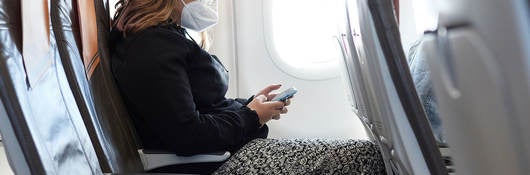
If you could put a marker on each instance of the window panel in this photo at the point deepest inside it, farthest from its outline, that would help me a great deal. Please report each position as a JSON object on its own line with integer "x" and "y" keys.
{"x": 301, "y": 35}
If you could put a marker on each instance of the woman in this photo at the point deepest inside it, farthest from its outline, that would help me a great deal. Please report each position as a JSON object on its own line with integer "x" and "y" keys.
{"x": 175, "y": 92}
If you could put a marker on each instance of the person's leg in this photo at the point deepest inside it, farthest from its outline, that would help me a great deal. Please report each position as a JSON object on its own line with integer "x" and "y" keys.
{"x": 273, "y": 156}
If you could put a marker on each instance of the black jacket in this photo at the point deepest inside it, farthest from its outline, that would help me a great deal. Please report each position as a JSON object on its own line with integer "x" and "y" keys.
{"x": 175, "y": 93}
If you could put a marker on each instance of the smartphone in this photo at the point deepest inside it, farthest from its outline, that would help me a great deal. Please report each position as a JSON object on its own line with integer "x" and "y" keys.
{"x": 288, "y": 93}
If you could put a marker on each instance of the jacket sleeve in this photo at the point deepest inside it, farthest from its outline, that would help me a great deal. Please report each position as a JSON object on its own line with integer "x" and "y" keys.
{"x": 244, "y": 101}
{"x": 158, "y": 87}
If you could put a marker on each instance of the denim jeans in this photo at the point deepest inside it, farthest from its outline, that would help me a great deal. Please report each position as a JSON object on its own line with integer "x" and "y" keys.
{"x": 422, "y": 80}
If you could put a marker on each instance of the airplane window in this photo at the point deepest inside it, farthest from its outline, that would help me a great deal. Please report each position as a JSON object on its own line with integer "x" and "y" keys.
{"x": 300, "y": 36}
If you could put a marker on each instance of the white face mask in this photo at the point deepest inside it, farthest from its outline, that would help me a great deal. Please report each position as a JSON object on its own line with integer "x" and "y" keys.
{"x": 197, "y": 17}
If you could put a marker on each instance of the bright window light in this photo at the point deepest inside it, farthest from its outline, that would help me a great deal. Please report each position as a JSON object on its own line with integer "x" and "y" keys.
{"x": 303, "y": 31}
{"x": 426, "y": 16}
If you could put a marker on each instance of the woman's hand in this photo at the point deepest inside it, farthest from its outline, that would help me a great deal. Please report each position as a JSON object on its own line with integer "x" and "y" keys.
{"x": 267, "y": 110}
{"x": 284, "y": 109}
{"x": 267, "y": 91}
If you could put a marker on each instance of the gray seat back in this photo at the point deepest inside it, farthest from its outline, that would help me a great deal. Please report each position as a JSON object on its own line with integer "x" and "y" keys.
{"x": 480, "y": 61}
{"x": 382, "y": 84}
{"x": 390, "y": 43}
{"x": 41, "y": 124}
{"x": 106, "y": 119}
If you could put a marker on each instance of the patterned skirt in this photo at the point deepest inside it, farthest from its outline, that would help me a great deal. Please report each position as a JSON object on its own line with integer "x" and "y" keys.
{"x": 281, "y": 156}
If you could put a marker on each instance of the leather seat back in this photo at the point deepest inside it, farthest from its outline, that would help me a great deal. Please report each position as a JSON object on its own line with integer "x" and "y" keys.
{"x": 106, "y": 93}
{"x": 102, "y": 110}
{"x": 48, "y": 135}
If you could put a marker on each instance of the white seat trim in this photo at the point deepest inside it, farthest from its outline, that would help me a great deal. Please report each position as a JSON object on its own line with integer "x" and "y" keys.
{"x": 157, "y": 160}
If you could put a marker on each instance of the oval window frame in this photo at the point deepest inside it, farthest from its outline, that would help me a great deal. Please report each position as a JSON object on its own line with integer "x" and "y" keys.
{"x": 313, "y": 72}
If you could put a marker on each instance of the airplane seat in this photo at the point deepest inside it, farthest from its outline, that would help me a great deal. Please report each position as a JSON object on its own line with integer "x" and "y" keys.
{"x": 82, "y": 29}
{"x": 480, "y": 61}
{"x": 392, "y": 112}
{"x": 104, "y": 88}
{"x": 390, "y": 41}
{"x": 10, "y": 49}
{"x": 351, "y": 70}
{"x": 41, "y": 125}
{"x": 113, "y": 140}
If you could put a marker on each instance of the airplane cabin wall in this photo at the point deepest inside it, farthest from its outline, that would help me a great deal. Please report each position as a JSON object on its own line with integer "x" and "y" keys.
{"x": 407, "y": 24}
{"x": 223, "y": 43}
{"x": 416, "y": 16}
{"x": 320, "y": 109}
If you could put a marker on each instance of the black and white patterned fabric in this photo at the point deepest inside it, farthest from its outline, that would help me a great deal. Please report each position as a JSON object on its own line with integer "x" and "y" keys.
{"x": 299, "y": 156}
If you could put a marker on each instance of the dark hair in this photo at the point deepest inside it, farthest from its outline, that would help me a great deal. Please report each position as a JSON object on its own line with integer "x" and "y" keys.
{"x": 135, "y": 15}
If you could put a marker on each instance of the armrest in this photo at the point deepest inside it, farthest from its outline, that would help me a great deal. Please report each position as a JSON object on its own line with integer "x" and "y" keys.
{"x": 152, "y": 159}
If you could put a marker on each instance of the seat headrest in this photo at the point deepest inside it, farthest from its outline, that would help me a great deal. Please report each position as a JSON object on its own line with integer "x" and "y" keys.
{"x": 36, "y": 39}
{"x": 89, "y": 35}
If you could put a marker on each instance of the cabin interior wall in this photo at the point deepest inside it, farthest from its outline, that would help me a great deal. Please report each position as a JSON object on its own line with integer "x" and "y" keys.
{"x": 223, "y": 43}
{"x": 407, "y": 24}
{"x": 321, "y": 108}
{"x": 416, "y": 16}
